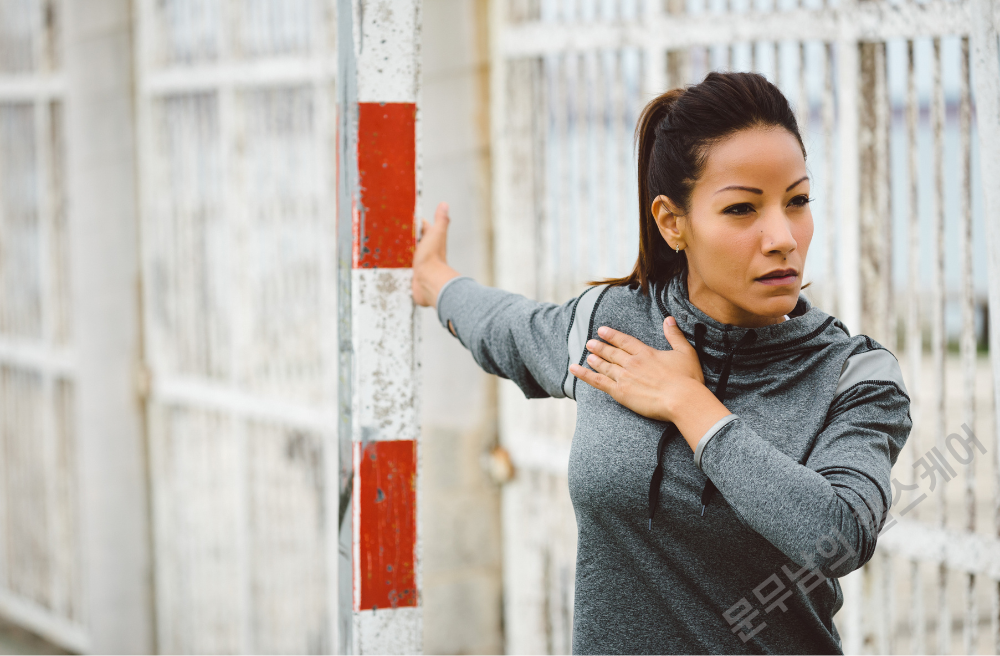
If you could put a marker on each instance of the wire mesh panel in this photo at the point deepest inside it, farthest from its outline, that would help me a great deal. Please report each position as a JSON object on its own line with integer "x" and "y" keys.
{"x": 887, "y": 108}
{"x": 40, "y": 582}
{"x": 237, "y": 155}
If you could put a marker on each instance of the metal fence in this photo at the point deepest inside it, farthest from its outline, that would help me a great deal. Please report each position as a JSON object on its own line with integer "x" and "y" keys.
{"x": 236, "y": 128}
{"x": 39, "y": 545}
{"x": 239, "y": 401}
{"x": 889, "y": 96}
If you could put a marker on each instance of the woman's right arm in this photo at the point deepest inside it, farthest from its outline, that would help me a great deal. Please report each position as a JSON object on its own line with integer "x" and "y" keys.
{"x": 508, "y": 335}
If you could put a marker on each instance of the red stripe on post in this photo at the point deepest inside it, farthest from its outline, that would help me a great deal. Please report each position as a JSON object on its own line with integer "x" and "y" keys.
{"x": 388, "y": 524}
{"x": 384, "y": 234}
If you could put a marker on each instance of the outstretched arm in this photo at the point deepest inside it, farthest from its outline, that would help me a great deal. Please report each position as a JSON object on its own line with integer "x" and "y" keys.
{"x": 508, "y": 335}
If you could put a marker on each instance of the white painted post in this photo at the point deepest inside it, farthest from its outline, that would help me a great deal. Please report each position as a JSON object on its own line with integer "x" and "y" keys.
{"x": 114, "y": 520}
{"x": 378, "y": 55}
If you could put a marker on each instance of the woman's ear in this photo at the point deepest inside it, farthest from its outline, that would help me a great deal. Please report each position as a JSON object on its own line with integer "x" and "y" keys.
{"x": 666, "y": 215}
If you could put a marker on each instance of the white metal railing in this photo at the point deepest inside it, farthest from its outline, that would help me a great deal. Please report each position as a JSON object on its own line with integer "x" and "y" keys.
{"x": 890, "y": 97}
{"x": 40, "y": 582}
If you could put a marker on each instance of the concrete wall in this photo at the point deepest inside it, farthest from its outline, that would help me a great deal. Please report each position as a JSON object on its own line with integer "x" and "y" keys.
{"x": 460, "y": 505}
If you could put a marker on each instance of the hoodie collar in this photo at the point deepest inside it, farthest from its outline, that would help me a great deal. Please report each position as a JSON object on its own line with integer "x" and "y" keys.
{"x": 807, "y": 327}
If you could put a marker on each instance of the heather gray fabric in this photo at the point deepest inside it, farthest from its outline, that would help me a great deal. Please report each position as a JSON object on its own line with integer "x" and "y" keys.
{"x": 802, "y": 471}
{"x": 706, "y": 438}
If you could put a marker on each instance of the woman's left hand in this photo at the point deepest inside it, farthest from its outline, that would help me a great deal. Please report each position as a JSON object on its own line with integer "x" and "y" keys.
{"x": 648, "y": 381}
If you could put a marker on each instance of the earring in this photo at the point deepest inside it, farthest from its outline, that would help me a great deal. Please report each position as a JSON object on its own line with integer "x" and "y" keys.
{"x": 677, "y": 249}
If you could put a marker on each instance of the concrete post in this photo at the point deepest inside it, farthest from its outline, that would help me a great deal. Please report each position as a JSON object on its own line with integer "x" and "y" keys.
{"x": 378, "y": 65}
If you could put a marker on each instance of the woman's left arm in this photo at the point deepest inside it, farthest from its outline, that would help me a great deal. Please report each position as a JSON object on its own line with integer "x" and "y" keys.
{"x": 826, "y": 512}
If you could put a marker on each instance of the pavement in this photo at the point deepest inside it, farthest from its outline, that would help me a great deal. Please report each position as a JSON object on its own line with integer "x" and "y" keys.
{"x": 15, "y": 640}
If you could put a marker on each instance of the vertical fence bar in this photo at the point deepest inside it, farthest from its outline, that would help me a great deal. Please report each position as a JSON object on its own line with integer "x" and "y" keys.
{"x": 917, "y": 624}
{"x": 876, "y": 270}
{"x": 347, "y": 95}
{"x": 886, "y": 583}
{"x": 986, "y": 71}
{"x": 232, "y": 135}
{"x": 970, "y": 624}
{"x": 938, "y": 336}
{"x": 579, "y": 193}
{"x": 46, "y": 265}
{"x": 379, "y": 155}
{"x": 568, "y": 248}
{"x": 549, "y": 241}
{"x": 913, "y": 335}
{"x": 654, "y": 58}
{"x": 776, "y": 53}
{"x": 883, "y": 113}
{"x": 829, "y": 212}
{"x": 849, "y": 252}
{"x": 914, "y": 348}
{"x": 802, "y": 109}
{"x": 620, "y": 159}
{"x": 875, "y": 261}
{"x": 678, "y": 62}
{"x": 597, "y": 99}
{"x": 730, "y": 47}
{"x": 324, "y": 42}
{"x": 887, "y": 641}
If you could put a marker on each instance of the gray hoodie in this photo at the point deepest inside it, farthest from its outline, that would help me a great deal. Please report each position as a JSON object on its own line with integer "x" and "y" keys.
{"x": 735, "y": 548}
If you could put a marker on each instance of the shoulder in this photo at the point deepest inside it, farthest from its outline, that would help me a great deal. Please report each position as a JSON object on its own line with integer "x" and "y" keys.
{"x": 868, "y": 361}
{"x": 620, "y": 302}
{"x": 618, "y": 306}
{"x": 596, "y": 306}
{"x": 604, "y": 302}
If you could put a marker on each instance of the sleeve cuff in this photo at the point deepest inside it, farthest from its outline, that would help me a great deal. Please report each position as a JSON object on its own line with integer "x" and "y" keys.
{"x": 437, "y": 302}
{"x": 709, "y": 434}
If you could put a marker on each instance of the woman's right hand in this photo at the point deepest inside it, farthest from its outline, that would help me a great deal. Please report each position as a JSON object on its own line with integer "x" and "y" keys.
{"x": 430, "y": 261}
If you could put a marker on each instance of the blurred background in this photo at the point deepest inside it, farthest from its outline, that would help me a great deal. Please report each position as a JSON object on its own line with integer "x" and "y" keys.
{"x": 168, "y": 310}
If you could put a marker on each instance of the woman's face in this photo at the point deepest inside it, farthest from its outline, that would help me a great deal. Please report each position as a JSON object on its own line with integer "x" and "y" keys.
{"x": 749, "y": 218}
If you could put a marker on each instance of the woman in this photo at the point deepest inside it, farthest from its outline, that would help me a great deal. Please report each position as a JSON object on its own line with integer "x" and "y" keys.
{"x": 734, "y": 443}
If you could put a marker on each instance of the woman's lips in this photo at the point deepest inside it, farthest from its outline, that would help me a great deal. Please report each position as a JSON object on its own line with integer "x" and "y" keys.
{"x": 783, "y": 280}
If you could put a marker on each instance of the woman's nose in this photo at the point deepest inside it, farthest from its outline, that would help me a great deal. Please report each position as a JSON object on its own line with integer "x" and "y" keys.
{"x": 776, "y": 234}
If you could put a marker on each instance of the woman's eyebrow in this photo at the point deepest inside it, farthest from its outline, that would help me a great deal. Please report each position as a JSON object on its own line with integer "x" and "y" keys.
{"x": 755, "y": 190}
{"x": 799, "y": 181}
{"x": 752, "y": 190}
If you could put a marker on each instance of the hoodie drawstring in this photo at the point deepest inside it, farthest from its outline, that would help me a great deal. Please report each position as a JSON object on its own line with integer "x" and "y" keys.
{"x": 720, "y": 393}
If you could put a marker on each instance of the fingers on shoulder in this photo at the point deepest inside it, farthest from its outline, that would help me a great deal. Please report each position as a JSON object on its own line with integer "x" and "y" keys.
{"x": 592, "y": 378}
{"x": 626, "y": 342}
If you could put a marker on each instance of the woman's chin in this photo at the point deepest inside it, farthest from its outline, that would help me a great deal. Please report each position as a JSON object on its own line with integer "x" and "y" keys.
{"x": 777, "y": 306}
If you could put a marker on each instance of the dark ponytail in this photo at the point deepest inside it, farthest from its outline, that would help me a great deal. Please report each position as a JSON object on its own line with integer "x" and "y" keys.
{"x": 672, "y": 138}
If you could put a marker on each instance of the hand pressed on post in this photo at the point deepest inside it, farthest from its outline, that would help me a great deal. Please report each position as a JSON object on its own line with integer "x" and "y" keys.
{"x": 430, "y": 259}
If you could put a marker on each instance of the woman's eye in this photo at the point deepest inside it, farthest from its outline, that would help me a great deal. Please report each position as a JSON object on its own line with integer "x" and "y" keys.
{"x": 800, "y": 201}
{"x": 739, "y": 209}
